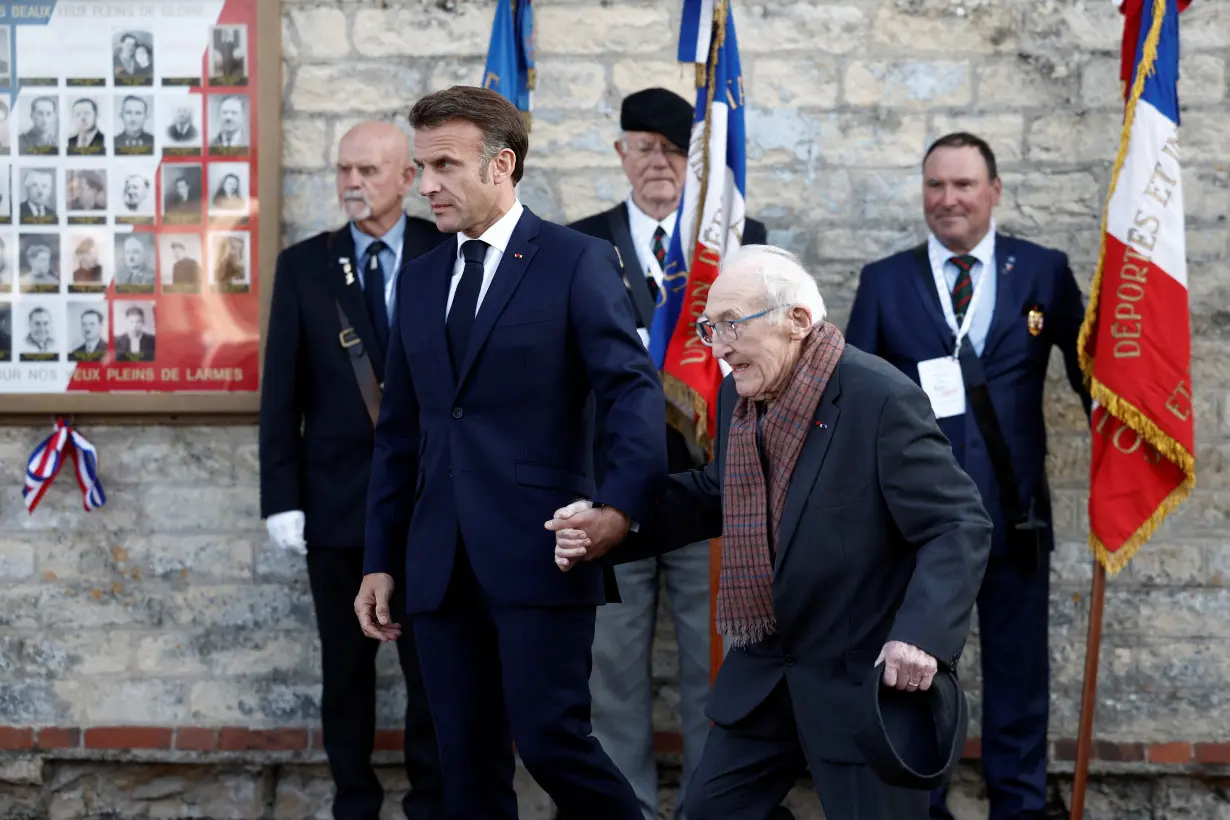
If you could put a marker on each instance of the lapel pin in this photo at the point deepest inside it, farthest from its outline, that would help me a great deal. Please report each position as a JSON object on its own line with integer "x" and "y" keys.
{"x": 517, "y": 256}
{"x": 346, "y": 269}
{"x": 822, "y": 425}
{"x": 1010, "y": 264}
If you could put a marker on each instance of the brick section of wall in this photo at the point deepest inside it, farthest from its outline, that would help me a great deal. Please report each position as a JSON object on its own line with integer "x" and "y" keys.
{"x": 255, "y": 742}
{"x": 169, "y": 608}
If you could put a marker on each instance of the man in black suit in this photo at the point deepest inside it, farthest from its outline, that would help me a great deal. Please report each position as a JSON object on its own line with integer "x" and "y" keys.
{"x": 653, "y": 149}
{"x": 324, "y": 364}
{"x": 850, "y": 537}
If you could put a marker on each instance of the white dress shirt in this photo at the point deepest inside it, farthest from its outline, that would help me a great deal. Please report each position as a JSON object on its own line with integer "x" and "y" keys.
{"x": 642, "y": 227}
{"x": 497, "y": 238}
{"x": 941, "y": 261}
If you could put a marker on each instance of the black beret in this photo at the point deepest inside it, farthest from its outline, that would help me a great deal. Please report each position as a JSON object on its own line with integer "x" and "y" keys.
{"x": 659, "y": 111}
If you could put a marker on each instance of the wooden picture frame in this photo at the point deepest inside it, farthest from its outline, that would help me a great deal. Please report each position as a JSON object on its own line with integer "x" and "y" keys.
{"x": 239, "y": 81}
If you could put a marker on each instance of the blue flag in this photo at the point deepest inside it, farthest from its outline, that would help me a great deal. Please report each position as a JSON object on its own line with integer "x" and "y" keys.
{"x": 510, "y": 56}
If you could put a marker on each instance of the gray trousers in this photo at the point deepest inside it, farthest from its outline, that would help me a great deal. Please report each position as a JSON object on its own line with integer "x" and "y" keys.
{"x": 621, "y": 684}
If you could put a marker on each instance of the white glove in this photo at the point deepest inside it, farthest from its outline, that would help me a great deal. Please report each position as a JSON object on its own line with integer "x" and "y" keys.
{"x": 286, "y": 531}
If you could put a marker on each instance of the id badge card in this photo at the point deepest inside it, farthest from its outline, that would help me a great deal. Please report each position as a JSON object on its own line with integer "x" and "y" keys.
{"x": 941, "y": 381}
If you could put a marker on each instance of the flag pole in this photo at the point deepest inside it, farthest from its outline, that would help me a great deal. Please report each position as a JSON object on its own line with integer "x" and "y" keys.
{"x": 1093, "y": 648}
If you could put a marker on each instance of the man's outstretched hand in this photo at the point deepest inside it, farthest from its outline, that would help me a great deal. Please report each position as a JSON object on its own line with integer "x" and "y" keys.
{"x": 583, "y": 532}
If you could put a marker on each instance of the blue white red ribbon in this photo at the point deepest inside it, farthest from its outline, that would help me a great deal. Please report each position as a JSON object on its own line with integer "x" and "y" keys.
{"x": 47, "y": 458}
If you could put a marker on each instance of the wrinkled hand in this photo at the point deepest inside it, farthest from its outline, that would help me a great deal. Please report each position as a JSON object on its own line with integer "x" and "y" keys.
{"x": 583, "y": 533}
{"x": 372, "y": 607}
{"x": 286, "y": 531}
{"x": 906, "y": 667}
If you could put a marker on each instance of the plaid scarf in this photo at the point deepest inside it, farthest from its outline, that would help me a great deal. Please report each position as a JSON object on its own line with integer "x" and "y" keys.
{"x": 745, "y": 586}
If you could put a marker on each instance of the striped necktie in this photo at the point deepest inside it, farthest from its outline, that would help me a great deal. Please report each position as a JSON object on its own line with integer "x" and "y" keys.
{"x": 963, "y": 289}
{"x": 659, "y": 245}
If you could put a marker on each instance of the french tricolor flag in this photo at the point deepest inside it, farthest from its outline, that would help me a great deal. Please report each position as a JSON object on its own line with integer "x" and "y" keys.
{"x": 1135, "y": 345}
{"x": 710, "y": 219}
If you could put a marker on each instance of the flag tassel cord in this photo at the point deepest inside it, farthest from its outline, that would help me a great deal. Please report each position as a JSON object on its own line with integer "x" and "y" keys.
{"x": 1116, "y": 405}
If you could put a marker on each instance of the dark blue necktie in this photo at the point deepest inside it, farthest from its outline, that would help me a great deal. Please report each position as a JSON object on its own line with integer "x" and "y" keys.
{"x": 373, "y": 293}
{"x": 465, "y": 302}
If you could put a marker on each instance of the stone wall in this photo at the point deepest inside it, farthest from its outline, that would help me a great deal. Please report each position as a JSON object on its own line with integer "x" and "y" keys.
{"x": 161, "y": 635}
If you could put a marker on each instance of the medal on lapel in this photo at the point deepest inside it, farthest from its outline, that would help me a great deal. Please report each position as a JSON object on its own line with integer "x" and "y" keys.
{"x": 345, "y": 263}
{"x": 1034, "y": 320}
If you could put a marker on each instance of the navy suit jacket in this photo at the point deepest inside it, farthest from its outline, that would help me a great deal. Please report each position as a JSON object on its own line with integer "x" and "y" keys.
{"x": 492, "y": 456}
{"x": 897, "y": 316}
{"x": 315, "y": 433}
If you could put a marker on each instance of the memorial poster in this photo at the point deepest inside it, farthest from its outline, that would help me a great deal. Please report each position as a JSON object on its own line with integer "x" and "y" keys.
{"x": 136, "y": 154}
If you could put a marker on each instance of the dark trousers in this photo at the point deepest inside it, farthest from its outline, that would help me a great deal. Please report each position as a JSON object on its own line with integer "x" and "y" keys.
{"x": 348, "y": 702}
{"x": 497, "y": 674}
{"x": 749, "y": 767}
{"x": 1013, "y": 609}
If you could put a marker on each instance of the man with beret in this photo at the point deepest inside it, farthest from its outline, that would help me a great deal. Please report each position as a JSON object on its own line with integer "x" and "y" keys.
{"x": 656, "y": 125}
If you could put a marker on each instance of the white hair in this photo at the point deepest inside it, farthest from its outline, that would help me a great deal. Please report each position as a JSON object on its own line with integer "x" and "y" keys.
{"x": 786, "y": 281}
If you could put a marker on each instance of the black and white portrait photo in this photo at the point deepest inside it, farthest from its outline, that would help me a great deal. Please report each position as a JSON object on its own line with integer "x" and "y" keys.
{"x": 6, "y": 331}
{"x": 179, "y": 258}
{"x": 6, "y": 141}
{"x": 134, "y": 262}
{"x": 179, "y": 116}
{"x": 132, "y": 193}
{"x": 181, "y": 194}
{"x": 6, "y": 58}
{"x": 38, "y": 196}
{"x": 84, "y": 131}
{"x": 134, "y": 331}
{"x": 134, "y": 121}
{"x": 39, "y": 258}
{"x": 37, "y": 335}
{"x": 6, "y": 265}
{"x": 228, "y": 189}
{"x": 228, "y": 55}
{"x": 87, "y": 330}
{"x": 229, "y": 269}
{"x": 133, "y": 60}
{"x": 6, "y": 194}
{"x": 87, "y": 191}
{"x": 89, "y": 254}
{"x": 228, "y": 124}
{"x": 39, "y": 124}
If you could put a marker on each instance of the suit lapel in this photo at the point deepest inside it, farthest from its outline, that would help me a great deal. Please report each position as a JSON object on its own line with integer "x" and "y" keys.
{"x": 431, "y": 310}
{"x": 1009, "y": 288}
{"x": 349, "y": 292}
{"x": 638, "y": 285}
{"x": 807, "y": 468}
{"x": 924, "y": 283}
{"x": 517, "y": 258}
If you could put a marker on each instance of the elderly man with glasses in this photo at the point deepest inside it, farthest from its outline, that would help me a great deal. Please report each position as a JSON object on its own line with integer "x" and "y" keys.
{"x": 655, "y": 127}
{"x": 851, "y": 538}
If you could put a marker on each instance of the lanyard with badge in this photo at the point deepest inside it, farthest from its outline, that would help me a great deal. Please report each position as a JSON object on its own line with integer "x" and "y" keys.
{"x": 941, "y": 378}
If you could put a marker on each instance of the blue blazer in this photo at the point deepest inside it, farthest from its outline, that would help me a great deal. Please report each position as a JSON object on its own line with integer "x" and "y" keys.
{"x": 491, "y": 457}
{"x": 897, "y": 316}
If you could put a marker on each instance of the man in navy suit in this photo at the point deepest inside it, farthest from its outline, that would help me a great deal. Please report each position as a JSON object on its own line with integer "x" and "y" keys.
{"x": 501, "y": 339}
{"x": 324, "y": 359}
{"x": 1000, "y": 305}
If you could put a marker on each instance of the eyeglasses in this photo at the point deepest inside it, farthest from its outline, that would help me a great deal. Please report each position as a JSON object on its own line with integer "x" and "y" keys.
{"x": 728, "y": 331}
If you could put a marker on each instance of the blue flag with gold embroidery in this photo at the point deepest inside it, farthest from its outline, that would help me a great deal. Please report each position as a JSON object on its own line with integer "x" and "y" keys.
{"x": 510, "y": 56}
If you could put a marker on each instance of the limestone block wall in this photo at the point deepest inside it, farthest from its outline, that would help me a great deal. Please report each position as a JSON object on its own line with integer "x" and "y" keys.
{"x": 165, "y": 623}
